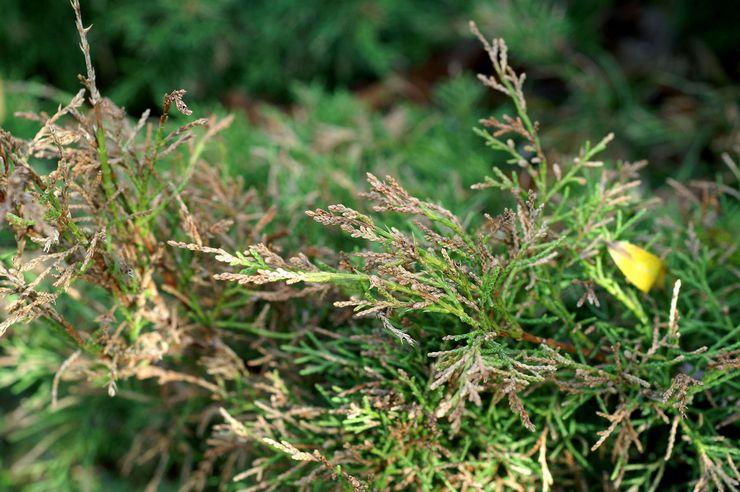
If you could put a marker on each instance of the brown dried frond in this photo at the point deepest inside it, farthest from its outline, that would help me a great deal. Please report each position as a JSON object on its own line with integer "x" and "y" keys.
{"x": 511, "y": 388}
{"x": 181, "y": 135}
{"x": 626, "y": 437}
{"x": 508, "y": 125}
{"x": 672, "y": 438}
{"x": 614, "y": 420}
{"x": 404, "y": 245}
{"x": 498, "y": 54}
{"x": 290, "y": 450}
{"x": 405, "y": 337}
{"x": 374, "y": 259}
{"x": 528, "y": 214}
{"x": 725, "y": 360}
{"x": 388, "y": 195}
{"x": 165, "y": 376}
{"x": 350, "y": 221}
{"x": 713, "y": 470}
{"x": 221, "y": 255}
{"x": 243, "y": 434}
{"x": 149, "y": 346}
{"x": 58, "y": 375}
{"x": 679, "y": 391}
{"x": 589, "y": 294}
{"x": 176, "y": 97}
{"x": 188, "y": 222}
{"x": 85, "y": 47}
{"x": 454, "y": 243}
{"x": 467, "y": 375}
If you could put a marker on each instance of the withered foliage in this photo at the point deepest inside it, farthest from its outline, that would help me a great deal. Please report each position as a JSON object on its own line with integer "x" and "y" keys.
{"x": 495, "y": 351}
{"x": 90, "y": 202}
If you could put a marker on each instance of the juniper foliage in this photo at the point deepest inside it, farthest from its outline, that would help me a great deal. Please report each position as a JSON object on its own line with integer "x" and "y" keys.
{"x": 496, "y": 347}
{"x": 521, "y": 308}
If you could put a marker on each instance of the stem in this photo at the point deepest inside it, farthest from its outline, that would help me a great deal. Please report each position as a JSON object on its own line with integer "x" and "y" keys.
{"x": 108, "y": 186}
{"x": 54, "y": 317}
{"x": 568, "y": 347}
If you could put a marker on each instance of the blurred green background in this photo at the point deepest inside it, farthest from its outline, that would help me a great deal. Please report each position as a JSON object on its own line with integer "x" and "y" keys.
{"x": 661, "y": 75}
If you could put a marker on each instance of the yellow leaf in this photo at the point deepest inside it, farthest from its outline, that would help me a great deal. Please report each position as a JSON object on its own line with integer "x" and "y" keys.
{"x": 643, "y": 269}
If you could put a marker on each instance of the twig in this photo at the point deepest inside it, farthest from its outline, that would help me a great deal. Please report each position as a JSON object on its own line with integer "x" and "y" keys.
{"x": 568, "y": 347}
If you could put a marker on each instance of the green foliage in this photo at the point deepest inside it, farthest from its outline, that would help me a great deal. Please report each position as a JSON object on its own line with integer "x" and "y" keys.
{"x": 660, "y": 72}
{"x": 466, "y": 304}
{"x": 173, "y": 320}
{"x": 210, "y": 47}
